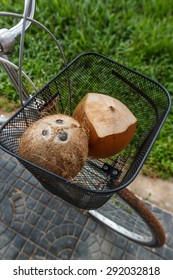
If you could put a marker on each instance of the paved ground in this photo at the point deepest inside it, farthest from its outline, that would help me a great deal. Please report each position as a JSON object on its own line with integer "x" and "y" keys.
{"x": 34, "y": 224}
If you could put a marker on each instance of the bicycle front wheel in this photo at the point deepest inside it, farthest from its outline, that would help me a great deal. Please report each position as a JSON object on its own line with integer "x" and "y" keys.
{"x": 127, "y": 215}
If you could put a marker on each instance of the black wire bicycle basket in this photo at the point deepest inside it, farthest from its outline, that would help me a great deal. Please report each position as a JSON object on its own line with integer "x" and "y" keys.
{"x": 93, "y": 186}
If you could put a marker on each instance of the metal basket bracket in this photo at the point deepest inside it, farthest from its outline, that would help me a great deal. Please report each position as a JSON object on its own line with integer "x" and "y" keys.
{"x": 111, "y": 171}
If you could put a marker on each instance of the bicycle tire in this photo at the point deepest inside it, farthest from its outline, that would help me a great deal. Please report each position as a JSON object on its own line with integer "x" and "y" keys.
{"x": 157, "y": 235}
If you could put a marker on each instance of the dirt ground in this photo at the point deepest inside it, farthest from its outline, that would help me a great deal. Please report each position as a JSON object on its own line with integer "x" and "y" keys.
{"x": 2, "y": 113}
{"x": 156, "y": 191}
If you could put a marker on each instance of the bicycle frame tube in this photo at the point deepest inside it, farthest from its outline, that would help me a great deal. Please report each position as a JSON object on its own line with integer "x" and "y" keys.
{"x": 29, "y": 12}
{"x": 7, "y": 36}
{"x": 7, "y": 41}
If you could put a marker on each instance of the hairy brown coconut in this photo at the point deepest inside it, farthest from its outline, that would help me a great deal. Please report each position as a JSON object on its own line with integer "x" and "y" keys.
{"x": 57, "y": 143}
{"x": 110, "y": 124}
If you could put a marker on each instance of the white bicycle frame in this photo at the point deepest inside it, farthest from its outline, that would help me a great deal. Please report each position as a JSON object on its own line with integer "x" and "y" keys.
{"x": 7, "y": 42}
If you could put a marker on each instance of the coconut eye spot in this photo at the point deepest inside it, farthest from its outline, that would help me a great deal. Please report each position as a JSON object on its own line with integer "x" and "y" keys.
{"x": 63, "y": 136}
{"x": 44, "y": 132}
{"x": 59, "y": 121}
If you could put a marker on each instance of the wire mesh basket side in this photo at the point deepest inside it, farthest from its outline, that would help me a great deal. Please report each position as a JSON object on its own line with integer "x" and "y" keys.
{"x": 91, "y": 72}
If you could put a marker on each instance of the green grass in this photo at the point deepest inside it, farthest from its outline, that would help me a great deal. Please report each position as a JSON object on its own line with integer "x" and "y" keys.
{"x": 135, "y": 33}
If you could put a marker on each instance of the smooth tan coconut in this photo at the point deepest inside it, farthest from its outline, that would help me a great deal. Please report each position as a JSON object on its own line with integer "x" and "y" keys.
{"x": 57, "y": 143}
{"x": 110, "y": 124}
